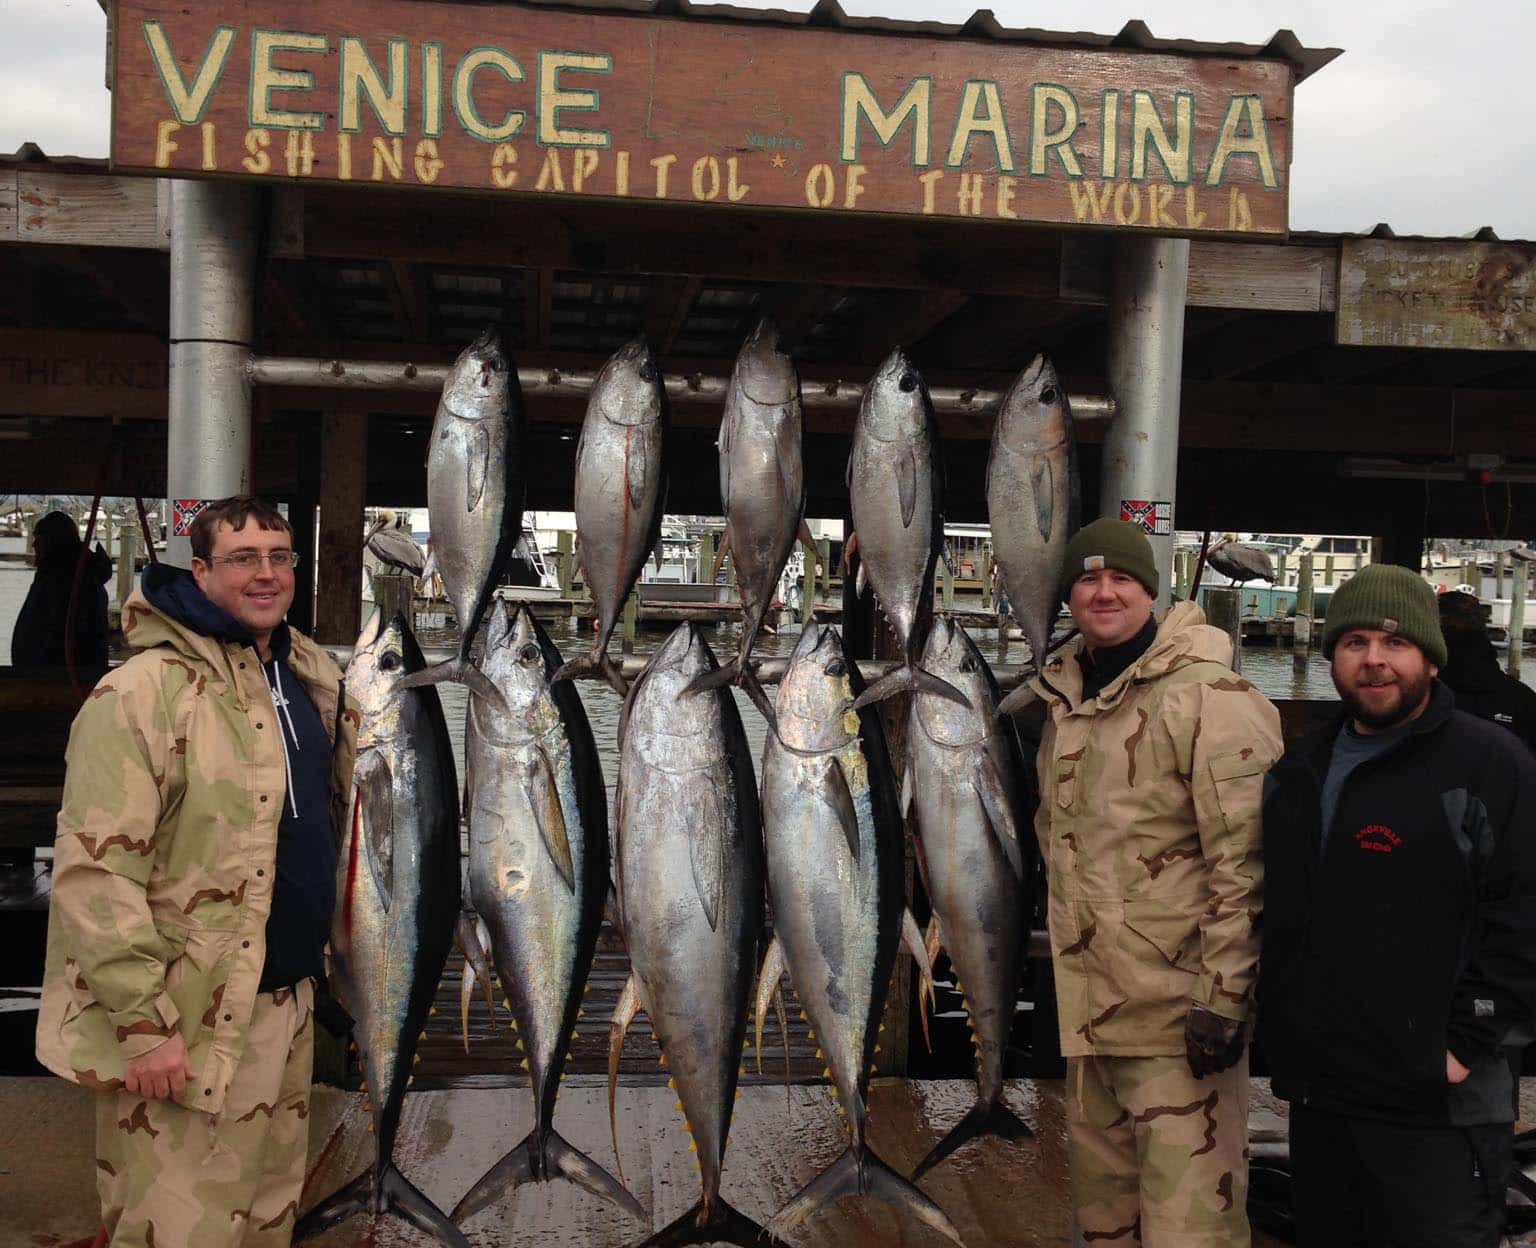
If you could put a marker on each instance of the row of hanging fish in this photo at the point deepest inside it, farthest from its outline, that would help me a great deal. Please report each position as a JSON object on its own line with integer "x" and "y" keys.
{"x": 696, "y": 851}
{"x": 694, "y": 847}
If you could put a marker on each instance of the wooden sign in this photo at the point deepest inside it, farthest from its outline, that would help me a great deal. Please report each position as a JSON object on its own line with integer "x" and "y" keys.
{"x": 1460, "y": 295}
{"x": 73, "y": 373}
{"x": 517, "y": 101}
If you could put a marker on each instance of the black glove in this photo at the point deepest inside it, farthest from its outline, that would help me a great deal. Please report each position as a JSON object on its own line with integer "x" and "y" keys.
{"x": 329, "y": 1012}
{"x": 1211, "y": 1043}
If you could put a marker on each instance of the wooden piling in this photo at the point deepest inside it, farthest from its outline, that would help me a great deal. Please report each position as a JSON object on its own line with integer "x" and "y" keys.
{"x": 824, "y": 562}
{"x": 127, "y": 555}
{"x": 1328, "y": 572}
{"x": 395, "y": 594}
{"x": 984, "y": 571}
{"x": 1301, "y": 636}
{"x": 808, "y": 582}
{"x": 947, "y": 584}
{"x": 565, "y": 564}
{"x": 1498, "y": 575}
{"x": 1221, "y": 611}
{"x": 1517, "y": 618}
{"x": 706, "y": 557}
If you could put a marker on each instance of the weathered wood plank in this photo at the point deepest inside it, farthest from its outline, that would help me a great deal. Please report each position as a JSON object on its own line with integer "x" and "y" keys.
{"x": 7, "y": 205}
{"x": 1445, "y": 295}
{"x": 87, "y": 210}
{"x": 1273, "y": 277}
{"x": 69, "y": 373}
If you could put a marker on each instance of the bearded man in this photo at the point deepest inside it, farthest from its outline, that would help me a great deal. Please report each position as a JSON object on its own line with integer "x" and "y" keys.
{"x": 1399, "y": 938}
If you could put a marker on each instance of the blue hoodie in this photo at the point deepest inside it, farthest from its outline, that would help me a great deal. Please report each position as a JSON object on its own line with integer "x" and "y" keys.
{"x": 304, "y": 891}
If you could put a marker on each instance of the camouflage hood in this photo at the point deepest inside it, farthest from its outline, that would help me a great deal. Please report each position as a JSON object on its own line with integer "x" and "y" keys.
{"x": 1149, "y": 828}
{"x": 1183, "y": 637}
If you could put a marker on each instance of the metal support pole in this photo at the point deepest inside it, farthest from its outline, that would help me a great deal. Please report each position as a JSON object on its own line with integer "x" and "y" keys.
{"x": 1146, "y": 359}
{"x": 212, "y": 328}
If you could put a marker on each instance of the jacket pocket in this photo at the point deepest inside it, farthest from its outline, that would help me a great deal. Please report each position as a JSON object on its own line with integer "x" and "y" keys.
{"x": 195, "y": 979}
{"x": 1168, "y": 929}
{"x": 1239, "y": 785}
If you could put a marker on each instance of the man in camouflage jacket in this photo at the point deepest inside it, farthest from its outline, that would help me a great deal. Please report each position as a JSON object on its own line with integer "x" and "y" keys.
{"x": 194, "y": 875}
{"x": 1151, "y": 772}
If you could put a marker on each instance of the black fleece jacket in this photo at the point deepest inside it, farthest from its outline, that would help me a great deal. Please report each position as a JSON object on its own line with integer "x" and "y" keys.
{"x": 1485, "y": 690}
{"x": 1412, "y": 934}
{"x": 304, "y": 890}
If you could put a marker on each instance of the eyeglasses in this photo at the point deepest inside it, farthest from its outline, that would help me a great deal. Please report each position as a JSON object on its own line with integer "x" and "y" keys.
{"x": 249, "y": 560}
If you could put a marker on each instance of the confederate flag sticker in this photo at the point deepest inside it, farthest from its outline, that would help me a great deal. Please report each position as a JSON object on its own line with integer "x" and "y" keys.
{"x": 184, "y": 511}
{"x": 1155, "y": 518}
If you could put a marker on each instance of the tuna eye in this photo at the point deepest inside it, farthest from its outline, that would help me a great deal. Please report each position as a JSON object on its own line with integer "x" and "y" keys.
{"x": 529, "y": 652}
{"x": 1048, "y": 395}
{"x": 968, "y": 664}
{"x": 908, "y": 383}
{"x": 837, "y": 668}
{"x": 389, "y": 662}
{"x": 647, "y": 371}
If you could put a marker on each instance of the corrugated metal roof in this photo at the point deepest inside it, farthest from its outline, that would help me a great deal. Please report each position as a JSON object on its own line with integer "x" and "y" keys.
{"x": 981, "y": 25}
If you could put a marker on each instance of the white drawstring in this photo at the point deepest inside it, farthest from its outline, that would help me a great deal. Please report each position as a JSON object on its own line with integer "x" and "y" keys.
{"x": 280, "y": 709}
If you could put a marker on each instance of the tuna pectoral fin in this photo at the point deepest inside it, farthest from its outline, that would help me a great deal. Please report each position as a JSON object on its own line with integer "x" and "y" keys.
{"x": 927, "y": 994}
{"x": 998, "y": 804}
{"x": 561, "y": 1159}
{"x": 594, "y": 667}
{"x": 982, "y": 1120}
{"x": 623, "y": 1015}
{"x": 908, "y": 680}
{"x": 458, "y": 671}
{"x": 718, "y": 1225}
{"x": 860, "y": 1175}
{"x": 543, "y": 793}
{"x": 373, "y": 815}
{"x": 391, "y": 1194}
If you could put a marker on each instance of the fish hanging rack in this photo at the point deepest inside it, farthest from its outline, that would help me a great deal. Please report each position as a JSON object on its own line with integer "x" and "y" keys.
{"x": 379, "y": 375}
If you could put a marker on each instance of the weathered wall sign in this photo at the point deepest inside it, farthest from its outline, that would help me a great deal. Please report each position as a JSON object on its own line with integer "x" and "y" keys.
{"x": 1467, "y": 296}
{"x": 511, "y": 100}
{"x": 77, "y": 373}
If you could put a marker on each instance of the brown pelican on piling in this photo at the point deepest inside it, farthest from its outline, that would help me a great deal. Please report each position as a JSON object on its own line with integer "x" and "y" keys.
{"x": 393, "y": 546}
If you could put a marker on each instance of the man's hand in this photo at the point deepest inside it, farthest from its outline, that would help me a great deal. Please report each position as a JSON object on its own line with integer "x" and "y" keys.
{"x": 1455, "y": 1072}
{"x": 162, "y": 1073}
{"x": 1211, "y": 1043}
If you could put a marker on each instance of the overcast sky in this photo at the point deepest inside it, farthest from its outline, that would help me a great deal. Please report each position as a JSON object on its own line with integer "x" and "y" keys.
{"x": 1423, "y": 122}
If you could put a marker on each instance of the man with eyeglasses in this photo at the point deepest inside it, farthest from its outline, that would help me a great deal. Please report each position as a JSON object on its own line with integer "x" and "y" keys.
{"x": 194, "y": 879}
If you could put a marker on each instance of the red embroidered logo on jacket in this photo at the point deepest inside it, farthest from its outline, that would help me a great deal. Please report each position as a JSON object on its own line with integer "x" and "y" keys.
{"x": 1378, "y": 838}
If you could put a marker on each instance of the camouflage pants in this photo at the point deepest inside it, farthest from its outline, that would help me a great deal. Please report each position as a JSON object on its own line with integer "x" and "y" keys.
{"x": 1158, "y": 1157}
{"x": 170, "y": 1177}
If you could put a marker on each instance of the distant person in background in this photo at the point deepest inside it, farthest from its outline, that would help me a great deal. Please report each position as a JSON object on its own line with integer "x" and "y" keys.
{"x": 38, "y": 640}
{"x": 1473, "y": 674}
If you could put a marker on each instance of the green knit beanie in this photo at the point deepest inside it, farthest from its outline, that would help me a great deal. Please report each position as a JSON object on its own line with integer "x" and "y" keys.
{"x": 1392, "y": 599}
{"x": 1109, "y": 543}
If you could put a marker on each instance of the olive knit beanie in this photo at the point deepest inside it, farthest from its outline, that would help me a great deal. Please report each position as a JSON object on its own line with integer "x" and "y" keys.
{"x": 1109, "y": 543}
{"x": 1392, "y": 599}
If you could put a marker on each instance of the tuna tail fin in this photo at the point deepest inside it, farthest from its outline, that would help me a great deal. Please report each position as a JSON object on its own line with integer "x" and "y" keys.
{"x": 459, "y": 671}
{"x": 860, "y": 1174}
{"x": 392, "y": 1193}
{"x": 717, "y": 1224}
{"x": 594, "y": 666}
{"x": 735, "y": 672}
{"x": 909, "y": 678}
{"x": 560, "y": 1159}
{"x": 983, "y": 1119}
{"x": 1015, "y": 701}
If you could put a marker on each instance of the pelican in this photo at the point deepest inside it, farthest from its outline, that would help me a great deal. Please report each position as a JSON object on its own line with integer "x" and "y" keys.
{"x": 393, "y": 546}
{"x": 1240, "y": 563}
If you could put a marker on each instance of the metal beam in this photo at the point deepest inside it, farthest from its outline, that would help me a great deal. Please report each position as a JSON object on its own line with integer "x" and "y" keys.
{"x": 1146, "y": 351}
{"x": 382, "y": 375}
{"x": 212, "y": 324}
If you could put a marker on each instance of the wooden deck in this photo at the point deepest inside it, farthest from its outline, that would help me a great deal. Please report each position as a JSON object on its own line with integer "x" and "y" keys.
{"x": 998, "y": 1195}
